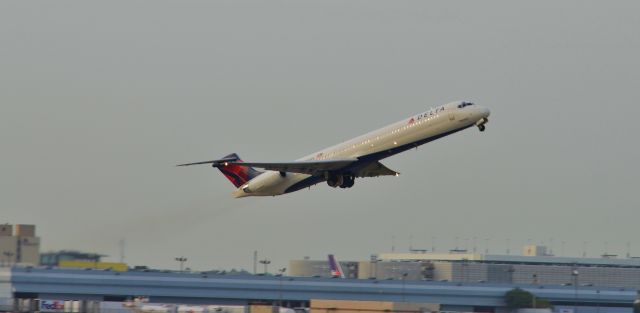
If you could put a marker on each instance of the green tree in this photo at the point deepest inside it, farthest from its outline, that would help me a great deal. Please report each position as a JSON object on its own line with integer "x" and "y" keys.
{"x": 520, "y": 299}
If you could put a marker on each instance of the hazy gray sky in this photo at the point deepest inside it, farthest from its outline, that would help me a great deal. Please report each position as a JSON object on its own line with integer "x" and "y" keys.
{"x": 99, "y": 101}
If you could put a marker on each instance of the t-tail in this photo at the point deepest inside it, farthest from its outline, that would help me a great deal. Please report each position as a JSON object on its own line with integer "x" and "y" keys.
{"x": 236, "y": 174}
{"x": 334, "y": 266}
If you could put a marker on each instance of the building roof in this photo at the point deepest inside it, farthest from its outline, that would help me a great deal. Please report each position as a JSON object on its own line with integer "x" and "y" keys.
{"x": 76, "y": 254}
{"x": 495, "y": 258}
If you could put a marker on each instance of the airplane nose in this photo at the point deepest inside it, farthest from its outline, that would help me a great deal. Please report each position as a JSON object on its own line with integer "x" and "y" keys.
{"x": 484, "y": 112}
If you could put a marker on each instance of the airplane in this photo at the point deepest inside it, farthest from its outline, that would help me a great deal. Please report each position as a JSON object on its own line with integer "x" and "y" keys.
{"x": 335, "y": 267}
{"x": 359, "y": 157}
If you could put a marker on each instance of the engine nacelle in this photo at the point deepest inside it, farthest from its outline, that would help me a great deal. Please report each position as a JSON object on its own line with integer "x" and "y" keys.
{"x": 335, "y": 180}
{"x": 342, "y": 181}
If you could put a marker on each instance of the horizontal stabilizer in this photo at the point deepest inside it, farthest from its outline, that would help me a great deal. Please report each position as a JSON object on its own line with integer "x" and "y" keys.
{"x": 214, "y": 162}
{"x": 231, "y": 169}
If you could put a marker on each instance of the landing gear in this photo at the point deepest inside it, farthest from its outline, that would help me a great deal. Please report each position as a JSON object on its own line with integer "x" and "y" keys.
{"x": 342, "y": 181}
{"x": 481, "y": 123}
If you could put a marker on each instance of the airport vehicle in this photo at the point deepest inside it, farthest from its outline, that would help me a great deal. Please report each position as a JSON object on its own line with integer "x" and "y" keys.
{"x": 335, "y": 267}
{"x": 339, "y": 165}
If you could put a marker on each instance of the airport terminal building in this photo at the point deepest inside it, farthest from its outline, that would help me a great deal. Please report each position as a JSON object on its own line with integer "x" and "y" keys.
{"x": 21, "y": 287}
{"x": 451, "y": 282}
{"x": 533, "y": 267}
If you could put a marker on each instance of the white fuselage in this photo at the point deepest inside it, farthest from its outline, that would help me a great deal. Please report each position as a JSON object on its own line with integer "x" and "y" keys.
{"x": 395, "y": 138}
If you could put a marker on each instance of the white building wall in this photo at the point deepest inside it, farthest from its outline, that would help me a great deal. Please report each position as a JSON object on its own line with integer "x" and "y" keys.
{"x": 21, "y": 247}
{"x": 29, "y": 250}
{"x": 8, "y": 250}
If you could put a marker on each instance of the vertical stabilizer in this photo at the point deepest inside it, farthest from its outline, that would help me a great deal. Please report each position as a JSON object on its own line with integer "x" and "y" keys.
{"x": 237, "y": 175}
{"x": 334, "y": 266}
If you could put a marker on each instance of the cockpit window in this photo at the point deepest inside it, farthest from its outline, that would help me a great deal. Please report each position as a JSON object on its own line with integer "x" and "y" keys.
{"x": 464, "y": 104}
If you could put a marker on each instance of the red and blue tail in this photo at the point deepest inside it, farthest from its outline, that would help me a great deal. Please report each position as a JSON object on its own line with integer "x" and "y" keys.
{"x": 237, "y": 175}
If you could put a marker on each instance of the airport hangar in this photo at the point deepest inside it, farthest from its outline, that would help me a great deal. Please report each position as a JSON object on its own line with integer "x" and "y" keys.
{"x": 18, "y": 283}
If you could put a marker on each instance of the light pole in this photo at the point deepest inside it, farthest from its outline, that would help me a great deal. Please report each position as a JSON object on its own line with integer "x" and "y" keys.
{"x": 181, "y": 260}
{"x": 486, "y": 246}
{"x": 575, "y": 274}
{"x": 373, "y": 269}
{"x": 266, "y": 263}
{"x": 533, "y": 295}
{"x": 255, "y": 262}
{"x": 404, "y": 278}
{"x": 281, "y": 275}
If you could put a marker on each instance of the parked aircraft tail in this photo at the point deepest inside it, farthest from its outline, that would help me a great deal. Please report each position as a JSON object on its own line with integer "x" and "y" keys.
{"x": 334, "y": 266}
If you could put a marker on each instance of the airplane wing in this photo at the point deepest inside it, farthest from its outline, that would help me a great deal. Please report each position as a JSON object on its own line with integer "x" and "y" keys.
{"x": 374, "y": 169}
{"x": 303, "y": 167}
{"x": 353, "y": 166}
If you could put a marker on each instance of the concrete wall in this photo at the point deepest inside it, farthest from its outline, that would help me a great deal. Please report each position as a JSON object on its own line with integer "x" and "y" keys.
{"x": 443, "y": 271}
{"x": 597, "y": 276}
{"x": 469, "y": 272}
{"x": 473, "y": 272}
{"x": 394, "y": 270}
{"x": 310, "y": 268}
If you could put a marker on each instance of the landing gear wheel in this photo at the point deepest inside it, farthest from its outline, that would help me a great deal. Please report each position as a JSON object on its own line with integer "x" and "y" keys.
{"x": 481, "y": 128}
